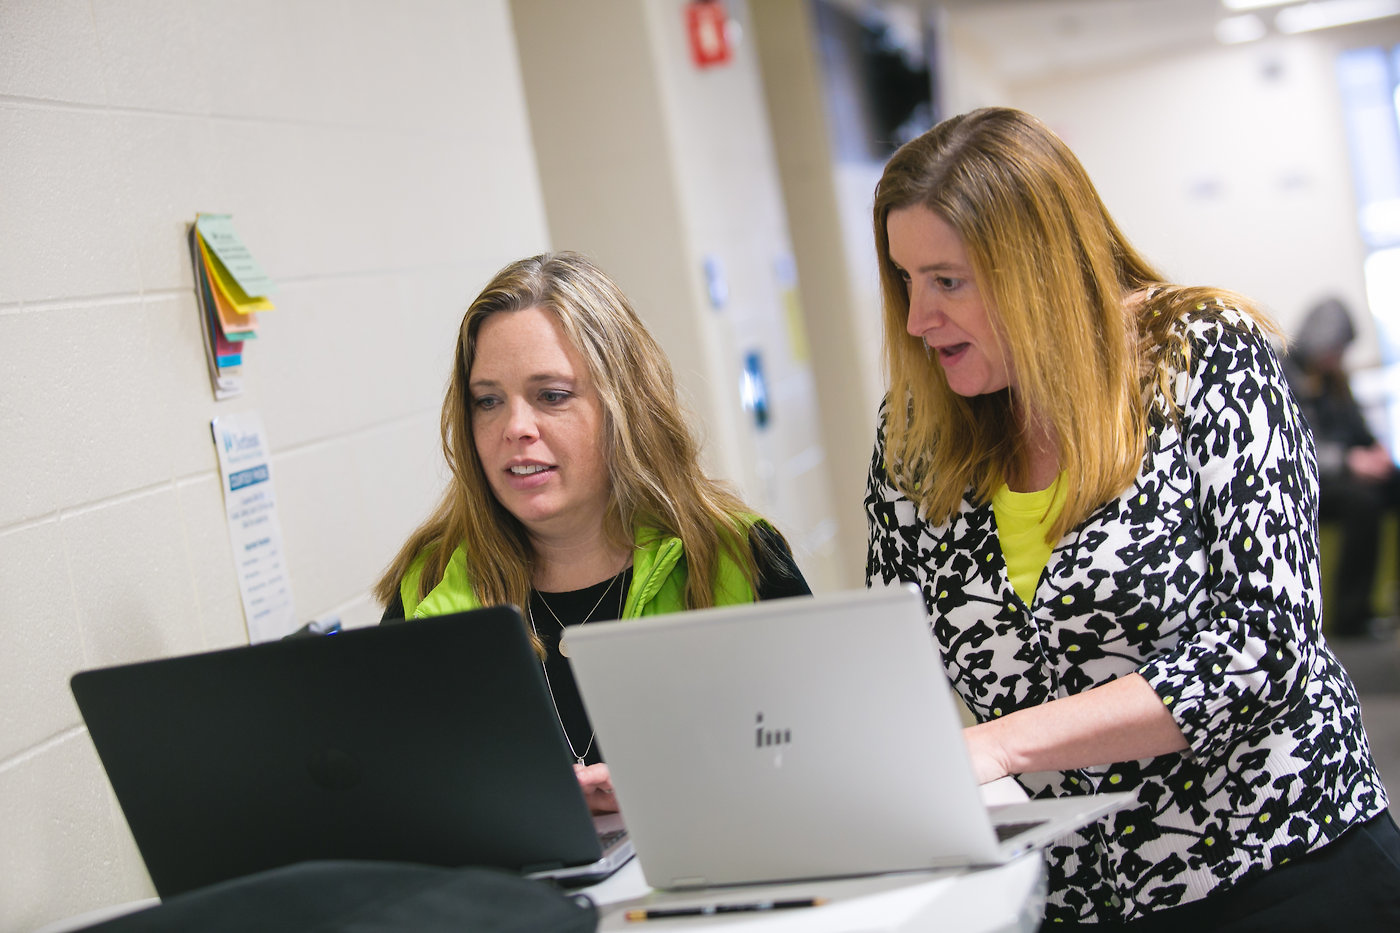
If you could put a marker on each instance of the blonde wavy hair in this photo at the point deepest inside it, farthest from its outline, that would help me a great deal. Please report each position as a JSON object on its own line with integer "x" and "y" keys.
{"x": 653, "y": 461}
{"x": 1090, "y": 328}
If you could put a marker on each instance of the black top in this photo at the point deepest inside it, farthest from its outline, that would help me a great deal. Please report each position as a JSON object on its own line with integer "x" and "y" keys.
{"x": 551, "y": 613}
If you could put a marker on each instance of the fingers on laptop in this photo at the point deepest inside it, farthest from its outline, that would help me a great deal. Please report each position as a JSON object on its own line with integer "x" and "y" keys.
{"x": 597, "y": 787}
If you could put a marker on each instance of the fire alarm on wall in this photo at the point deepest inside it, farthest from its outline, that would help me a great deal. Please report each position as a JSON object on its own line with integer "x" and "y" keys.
{"x": 707, "y": 24}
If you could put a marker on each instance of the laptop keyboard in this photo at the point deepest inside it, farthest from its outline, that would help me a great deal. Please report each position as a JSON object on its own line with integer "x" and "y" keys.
{"x": 611, "y": 838}
{"x": 1007, "y": 830}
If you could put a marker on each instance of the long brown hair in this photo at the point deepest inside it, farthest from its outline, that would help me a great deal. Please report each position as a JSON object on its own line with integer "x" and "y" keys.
{"x": 653, "y": 460}
{"x": 1089, "y": 327}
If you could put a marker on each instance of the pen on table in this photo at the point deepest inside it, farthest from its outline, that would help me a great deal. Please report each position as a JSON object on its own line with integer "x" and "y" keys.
{"x": 661, "y": 913}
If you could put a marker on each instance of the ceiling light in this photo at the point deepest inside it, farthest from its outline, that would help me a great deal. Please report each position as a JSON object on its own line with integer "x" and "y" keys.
{"x": 1323, "y": 14}
{"x": 1241, "y": 5}
{"x": 1232, "y": 30}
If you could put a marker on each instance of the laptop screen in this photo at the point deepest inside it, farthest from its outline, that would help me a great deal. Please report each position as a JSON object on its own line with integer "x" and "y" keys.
{"x": 432, "y": 742}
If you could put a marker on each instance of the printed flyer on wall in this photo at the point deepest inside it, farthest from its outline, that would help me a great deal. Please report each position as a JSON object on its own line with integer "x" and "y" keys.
{"x": 254, "y": 531}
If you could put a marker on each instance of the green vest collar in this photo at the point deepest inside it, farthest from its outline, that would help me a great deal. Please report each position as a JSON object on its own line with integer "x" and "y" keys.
{"x": 658, "y": 581}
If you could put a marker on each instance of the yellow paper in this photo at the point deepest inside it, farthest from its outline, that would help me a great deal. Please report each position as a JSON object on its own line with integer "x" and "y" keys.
{"x": 224, "y": 283}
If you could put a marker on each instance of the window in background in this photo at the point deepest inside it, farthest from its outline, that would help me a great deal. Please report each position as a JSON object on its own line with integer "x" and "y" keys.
{"x": 1369, "y": 82}
{"x": 1367, "y": 79}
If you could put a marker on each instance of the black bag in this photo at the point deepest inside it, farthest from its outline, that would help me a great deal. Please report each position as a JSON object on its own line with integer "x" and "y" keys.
{"x": 367, "y": 897}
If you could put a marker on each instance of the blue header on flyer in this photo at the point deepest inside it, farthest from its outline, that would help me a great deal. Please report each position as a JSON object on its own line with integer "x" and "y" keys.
{"x": 257, "y": 474}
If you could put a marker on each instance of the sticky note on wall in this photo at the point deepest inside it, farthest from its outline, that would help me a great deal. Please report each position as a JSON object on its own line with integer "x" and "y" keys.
{"x": 216, "y": 230}
{"x": 232, "y": 299}
{"x": 229, "y": 287}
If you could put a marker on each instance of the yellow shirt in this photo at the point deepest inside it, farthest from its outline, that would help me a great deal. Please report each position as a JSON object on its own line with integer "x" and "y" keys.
{"x": 1023, "y": 518}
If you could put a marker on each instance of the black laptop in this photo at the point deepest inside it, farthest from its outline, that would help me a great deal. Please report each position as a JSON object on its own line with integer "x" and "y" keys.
{"x": 432, "y": 742}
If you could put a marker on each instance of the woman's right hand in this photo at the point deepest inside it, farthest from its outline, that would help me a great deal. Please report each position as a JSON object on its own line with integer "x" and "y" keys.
{"x": 597, "y": 787}
{"x": 988, "y": 757}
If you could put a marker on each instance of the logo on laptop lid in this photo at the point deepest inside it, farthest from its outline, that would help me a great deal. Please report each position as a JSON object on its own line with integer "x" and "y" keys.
{"x": 764, "y": 738}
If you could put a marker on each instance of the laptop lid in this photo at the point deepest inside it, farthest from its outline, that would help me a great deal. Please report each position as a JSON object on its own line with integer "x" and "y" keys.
{"x": 433, "y": 742}
{"x": 797, "y": 738}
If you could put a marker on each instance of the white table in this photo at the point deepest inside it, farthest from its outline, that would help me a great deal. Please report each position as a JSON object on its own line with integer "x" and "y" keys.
{"x": 1010, "y": 897}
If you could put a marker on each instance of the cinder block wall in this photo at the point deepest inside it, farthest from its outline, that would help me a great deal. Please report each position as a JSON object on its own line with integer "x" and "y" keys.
{"x": 376, "y": 158}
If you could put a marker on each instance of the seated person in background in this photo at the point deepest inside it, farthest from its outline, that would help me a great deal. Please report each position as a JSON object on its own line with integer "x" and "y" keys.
{"x": 1357, "y": 480}
{"x": 576, "y": 489}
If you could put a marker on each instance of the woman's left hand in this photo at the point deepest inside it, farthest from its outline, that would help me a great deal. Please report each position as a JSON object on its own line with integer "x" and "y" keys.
{"x": 597, "y": 787}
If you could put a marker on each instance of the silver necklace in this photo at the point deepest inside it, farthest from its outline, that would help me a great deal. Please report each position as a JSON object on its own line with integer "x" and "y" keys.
{"x": 552, "y": 702}
{"x": 530, "y": 611}
{"x": 563, "y": 637}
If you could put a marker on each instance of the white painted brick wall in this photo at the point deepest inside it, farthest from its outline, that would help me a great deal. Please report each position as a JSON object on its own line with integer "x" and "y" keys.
{"x": 377, "y": 159}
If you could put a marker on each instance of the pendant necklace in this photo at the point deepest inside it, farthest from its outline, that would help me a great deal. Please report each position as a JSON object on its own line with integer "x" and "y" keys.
{"x": 593, "y": 736}
{"x": 563, "y": 632}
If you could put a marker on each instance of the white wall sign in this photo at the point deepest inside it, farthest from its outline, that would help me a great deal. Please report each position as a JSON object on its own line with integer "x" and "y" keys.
{"x": 254, "y": 531}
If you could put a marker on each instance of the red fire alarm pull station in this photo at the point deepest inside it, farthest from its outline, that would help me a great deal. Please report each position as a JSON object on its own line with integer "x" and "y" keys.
{"x": 709, "y": 41}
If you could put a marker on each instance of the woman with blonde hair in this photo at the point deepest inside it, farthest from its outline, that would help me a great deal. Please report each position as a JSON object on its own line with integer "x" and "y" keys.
{"x": 1105, "y": 490}
{"x": 576, "y": 490}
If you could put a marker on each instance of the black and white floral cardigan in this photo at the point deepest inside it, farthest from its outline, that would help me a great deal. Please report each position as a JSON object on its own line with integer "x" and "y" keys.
{"x": 1203, "y": 577}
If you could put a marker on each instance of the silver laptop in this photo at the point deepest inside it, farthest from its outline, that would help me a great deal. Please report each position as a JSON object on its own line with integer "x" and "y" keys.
{"x": 797, "y": 738}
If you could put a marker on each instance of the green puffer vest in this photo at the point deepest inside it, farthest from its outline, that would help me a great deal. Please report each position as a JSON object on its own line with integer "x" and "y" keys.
{"x": 658, "y": 581}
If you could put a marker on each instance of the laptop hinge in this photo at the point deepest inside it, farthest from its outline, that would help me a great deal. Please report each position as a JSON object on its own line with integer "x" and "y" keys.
{"x": 536, "y": 867}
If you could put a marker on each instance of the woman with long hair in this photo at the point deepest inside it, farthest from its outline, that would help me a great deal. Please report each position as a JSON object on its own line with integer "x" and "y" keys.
{"x": 576, "y": 491}
{"x": 1105, "y": 490}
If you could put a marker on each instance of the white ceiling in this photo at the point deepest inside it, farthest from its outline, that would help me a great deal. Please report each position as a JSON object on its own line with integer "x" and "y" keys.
{"x": 1033, "y": 38}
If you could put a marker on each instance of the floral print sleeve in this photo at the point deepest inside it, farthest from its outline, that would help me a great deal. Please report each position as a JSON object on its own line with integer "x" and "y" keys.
{"x": 1248, "y": 458}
